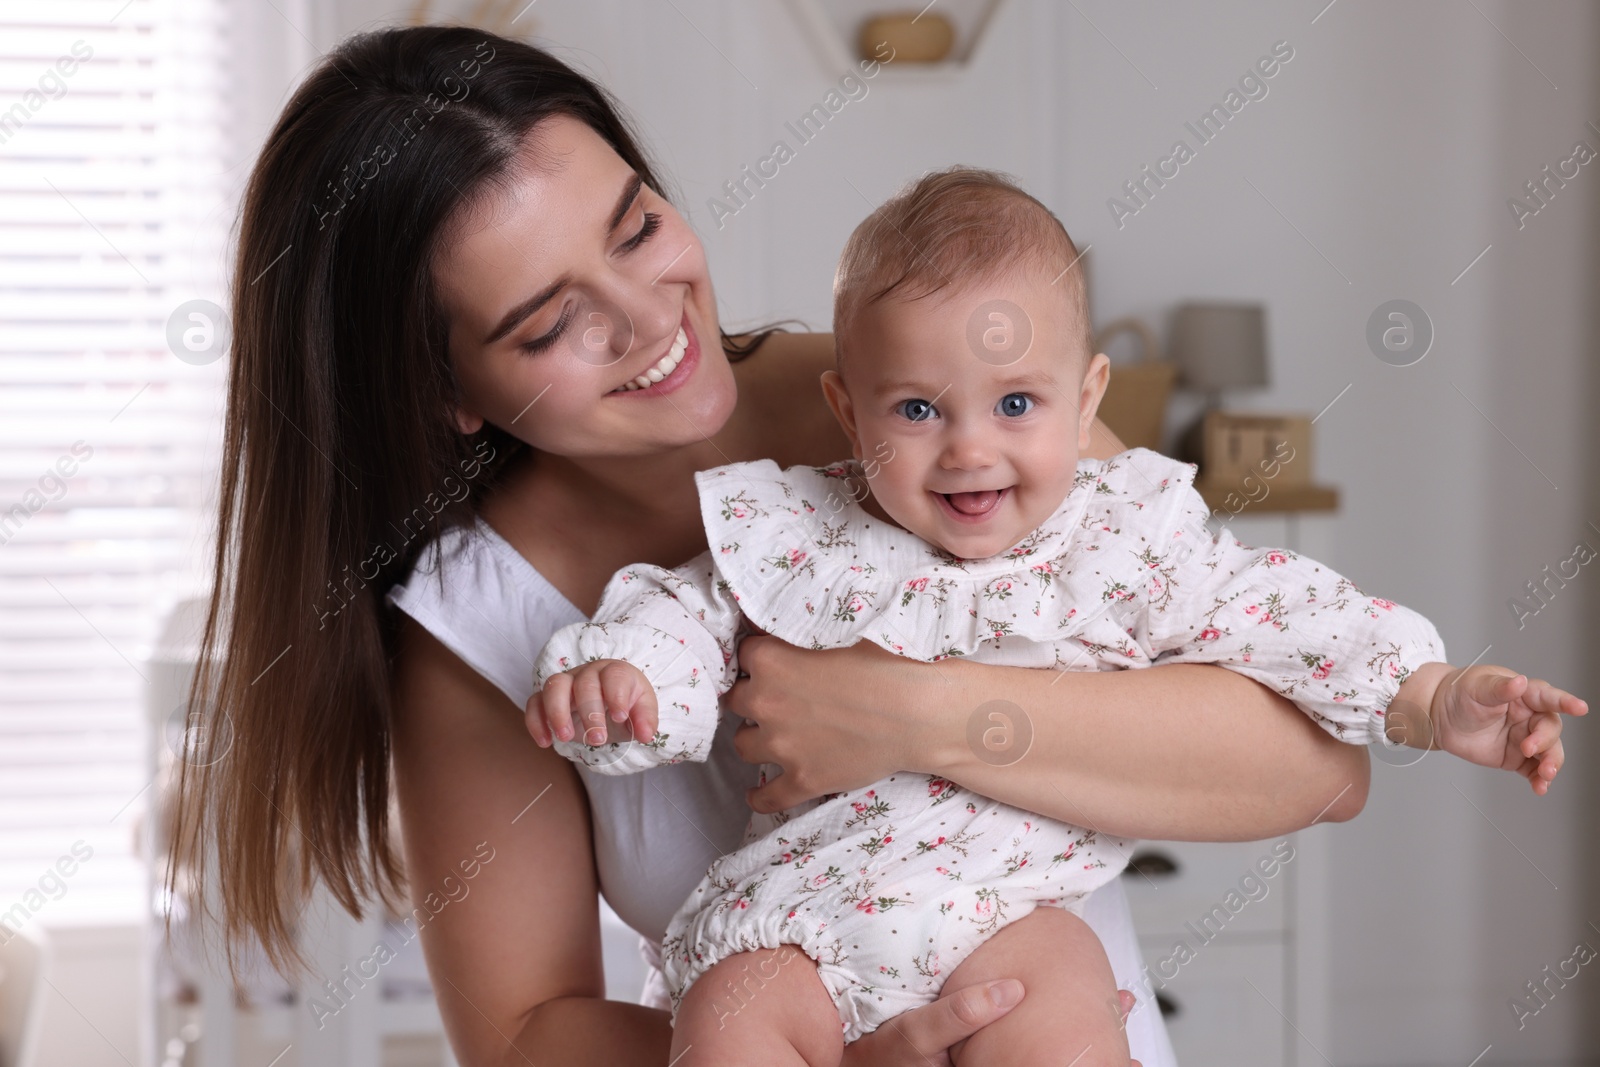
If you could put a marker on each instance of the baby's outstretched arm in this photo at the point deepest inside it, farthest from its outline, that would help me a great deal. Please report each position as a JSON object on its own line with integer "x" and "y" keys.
{"x": 1364, "y": 668}
{"x": 1487, "y": 715}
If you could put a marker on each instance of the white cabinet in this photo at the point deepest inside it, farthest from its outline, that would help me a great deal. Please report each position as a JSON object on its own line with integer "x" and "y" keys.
{"x": 1224, "y": 1006}
{"x": 1232, "y": 968}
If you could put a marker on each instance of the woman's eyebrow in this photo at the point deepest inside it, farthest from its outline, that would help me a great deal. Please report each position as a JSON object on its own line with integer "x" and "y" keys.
{"x": 518, "y": 314}
{"x": 630, "y": 193}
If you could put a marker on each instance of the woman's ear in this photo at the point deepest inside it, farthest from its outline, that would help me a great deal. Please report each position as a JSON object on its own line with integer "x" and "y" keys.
{"x": 468, "y": 422}
{"x": 838, "y": 397}
{"x": 1095, "y": 380}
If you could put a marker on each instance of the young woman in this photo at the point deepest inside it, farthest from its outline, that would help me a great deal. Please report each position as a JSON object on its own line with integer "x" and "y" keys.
{"x": 476, "y": 364}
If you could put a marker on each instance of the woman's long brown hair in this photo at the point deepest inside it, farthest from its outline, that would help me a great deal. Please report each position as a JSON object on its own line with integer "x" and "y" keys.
{"x": 340, "y": 459}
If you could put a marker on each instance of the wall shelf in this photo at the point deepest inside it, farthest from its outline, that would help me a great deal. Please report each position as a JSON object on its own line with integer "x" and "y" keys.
{"x": 834, "y": 25}
{"x": 1279, "y": 499}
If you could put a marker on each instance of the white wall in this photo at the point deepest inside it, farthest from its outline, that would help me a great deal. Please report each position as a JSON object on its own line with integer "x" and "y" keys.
{"x": 1391, "y": 142}
{"x": 1381, "y": 161}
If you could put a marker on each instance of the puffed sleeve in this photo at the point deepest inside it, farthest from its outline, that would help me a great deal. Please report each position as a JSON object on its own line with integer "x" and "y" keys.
{"x": 680, "y": 628}
{"x": 1286, "y": 621}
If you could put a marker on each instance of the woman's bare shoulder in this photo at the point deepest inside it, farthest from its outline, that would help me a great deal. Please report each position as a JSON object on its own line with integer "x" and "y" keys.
{"x": 780, "y": 397}
{"x": 789, "y": 357}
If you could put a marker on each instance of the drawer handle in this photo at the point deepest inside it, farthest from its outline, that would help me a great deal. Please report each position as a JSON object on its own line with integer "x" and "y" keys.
{"x": 1169, "y": 1007}
{"x": 1152, "y": 865}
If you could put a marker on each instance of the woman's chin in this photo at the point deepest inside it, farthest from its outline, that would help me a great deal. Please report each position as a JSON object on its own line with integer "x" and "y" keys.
{"x": 708, "y": 401}
{"x": 694, "y": 413}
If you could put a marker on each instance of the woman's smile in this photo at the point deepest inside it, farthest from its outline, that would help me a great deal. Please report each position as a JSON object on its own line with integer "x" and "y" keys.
{"x": 671, "y": 370}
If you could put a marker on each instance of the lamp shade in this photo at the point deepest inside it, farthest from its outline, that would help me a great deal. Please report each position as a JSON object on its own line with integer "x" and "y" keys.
{"x": 1220, "y": 346}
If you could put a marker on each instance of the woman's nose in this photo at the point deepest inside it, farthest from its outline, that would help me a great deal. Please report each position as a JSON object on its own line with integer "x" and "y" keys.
{"x": 604, "y": 334}
{"x": 626, "y": 320}
{"x": 653, "y": 313}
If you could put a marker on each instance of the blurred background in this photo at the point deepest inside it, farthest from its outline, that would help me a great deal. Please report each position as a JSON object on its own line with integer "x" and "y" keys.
{"x": 1378, "y": 244}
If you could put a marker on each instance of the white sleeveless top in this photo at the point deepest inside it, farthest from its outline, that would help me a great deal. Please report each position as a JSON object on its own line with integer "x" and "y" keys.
{"x": 655, "y": 832}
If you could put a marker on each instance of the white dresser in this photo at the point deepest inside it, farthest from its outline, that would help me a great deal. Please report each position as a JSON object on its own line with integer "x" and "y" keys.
{"x": 1233, "y": 954}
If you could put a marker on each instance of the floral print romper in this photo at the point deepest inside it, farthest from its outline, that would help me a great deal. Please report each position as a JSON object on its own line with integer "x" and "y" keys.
{"x": 890, "y": 887}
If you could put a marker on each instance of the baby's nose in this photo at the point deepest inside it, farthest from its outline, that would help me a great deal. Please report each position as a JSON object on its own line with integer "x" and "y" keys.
{"x": 967, "y": 451}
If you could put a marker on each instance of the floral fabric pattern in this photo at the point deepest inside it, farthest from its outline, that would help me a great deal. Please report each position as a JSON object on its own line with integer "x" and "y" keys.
{"x": 889, "y": 888}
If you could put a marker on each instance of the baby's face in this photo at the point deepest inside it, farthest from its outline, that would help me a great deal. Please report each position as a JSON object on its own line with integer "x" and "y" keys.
{"x": 968, "y": 442}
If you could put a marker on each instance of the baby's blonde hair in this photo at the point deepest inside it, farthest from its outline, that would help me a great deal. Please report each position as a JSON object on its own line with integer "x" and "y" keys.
{"x": 949, "y": 229}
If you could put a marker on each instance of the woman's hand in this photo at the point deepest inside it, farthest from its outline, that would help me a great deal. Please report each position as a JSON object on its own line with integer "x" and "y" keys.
{"x": 924, "y": 1036}
{"x": 834, "y": 720}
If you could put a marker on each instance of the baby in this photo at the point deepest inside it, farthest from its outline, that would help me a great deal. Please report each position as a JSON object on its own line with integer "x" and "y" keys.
{"x": 967, "y": 526}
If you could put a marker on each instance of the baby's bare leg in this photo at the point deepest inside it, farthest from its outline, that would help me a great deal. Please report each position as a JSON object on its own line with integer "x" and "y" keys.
{"x": 1070, "y": 1014}
{"x": 766, "y": 1008}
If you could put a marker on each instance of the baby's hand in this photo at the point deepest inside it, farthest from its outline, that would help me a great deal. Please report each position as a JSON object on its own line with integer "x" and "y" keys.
{"x": 1497, "y": 718}
{"x": 585, "y": 693}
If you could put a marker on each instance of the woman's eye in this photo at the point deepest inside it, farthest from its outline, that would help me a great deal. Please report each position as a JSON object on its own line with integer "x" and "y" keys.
{"x": 1013, "y": 404}
{"x": 544, "y": 341}
{"x": 916, "y": 410}
{"x": 652, "y": 223}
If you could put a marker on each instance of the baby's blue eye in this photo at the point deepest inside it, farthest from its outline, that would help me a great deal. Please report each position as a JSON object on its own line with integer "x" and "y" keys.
{"x": 916, "y": 409}
{"x": 1013, "y": 404}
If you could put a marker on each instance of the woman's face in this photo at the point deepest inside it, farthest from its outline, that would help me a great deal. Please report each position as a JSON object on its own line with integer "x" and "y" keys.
{"x": 569, "y": 284}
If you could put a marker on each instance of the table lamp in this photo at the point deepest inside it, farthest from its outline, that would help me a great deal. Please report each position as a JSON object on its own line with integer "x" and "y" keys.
{"x": 1219, "y": 347}
{"x": 1250, "y": 460}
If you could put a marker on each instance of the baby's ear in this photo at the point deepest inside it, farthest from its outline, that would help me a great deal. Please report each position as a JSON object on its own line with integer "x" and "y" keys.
{"x": 838, "y": 397}
{"x": 1095, "y": 380}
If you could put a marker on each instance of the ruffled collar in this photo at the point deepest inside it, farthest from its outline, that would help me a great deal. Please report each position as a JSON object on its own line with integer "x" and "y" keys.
{"x": 809, "y": 564}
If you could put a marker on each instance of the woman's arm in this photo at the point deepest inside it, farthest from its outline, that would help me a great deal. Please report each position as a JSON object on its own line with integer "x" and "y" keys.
{"x": 1180, "y": 752}
{"x": 516, "y": 961}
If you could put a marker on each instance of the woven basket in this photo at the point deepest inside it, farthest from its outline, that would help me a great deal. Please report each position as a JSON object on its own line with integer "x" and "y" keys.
{"x": 1135, "y": 404}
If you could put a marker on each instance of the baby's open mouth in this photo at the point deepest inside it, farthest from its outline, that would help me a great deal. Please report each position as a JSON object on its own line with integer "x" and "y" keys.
{"x": 975, "y": 505}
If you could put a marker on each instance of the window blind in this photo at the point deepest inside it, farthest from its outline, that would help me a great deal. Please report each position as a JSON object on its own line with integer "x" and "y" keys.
{"x": 114, "y": 213}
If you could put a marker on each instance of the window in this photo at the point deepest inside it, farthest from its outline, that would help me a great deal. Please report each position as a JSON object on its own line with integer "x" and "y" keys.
{"x": 114, "y": 214}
